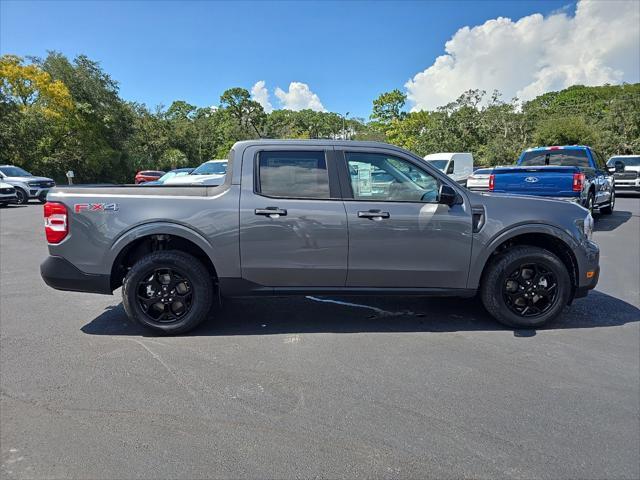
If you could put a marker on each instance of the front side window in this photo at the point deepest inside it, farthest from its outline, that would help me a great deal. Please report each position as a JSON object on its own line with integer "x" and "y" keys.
{"x": 293, "y": 174}
{"x": 380, "y": 177}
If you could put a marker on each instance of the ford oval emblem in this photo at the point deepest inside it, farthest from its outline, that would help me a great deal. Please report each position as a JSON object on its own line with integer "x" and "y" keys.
{"x": 531, "y": 179}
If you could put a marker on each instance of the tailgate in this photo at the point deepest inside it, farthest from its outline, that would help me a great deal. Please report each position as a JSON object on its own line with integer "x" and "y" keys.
{"x": 542, "y": 181}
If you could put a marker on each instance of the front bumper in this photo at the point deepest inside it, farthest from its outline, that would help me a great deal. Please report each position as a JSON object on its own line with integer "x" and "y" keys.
{"x": 588, "y": 268}
{"x": 39, "y": 193}
{"x": 633, "y": 185}
{"x": 12, "y": 198}
{"x": 59, "y": 273}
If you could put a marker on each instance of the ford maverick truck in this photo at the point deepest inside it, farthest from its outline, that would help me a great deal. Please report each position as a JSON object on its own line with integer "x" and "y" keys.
{"x": 317, "y": 217}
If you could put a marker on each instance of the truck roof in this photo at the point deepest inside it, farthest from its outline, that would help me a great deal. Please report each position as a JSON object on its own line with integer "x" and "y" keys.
{"x": 558, "y": 147}
{"x": 327, "y": 142}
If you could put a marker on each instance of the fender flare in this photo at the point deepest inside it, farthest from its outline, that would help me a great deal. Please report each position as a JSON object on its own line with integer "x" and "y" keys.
{"x": 480, "y": 261}
{"x": 157, "y": 228}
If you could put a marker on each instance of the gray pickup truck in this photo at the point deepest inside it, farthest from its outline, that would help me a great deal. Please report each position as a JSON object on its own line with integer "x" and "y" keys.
{"x": 318, "y": 217}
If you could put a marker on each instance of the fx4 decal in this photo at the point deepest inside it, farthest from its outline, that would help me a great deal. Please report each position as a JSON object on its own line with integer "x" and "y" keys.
{"x": 96, "y": 207}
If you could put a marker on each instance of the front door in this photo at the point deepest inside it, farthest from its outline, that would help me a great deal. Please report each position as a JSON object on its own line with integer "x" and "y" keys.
{"x": 293, "y": 225}
{"x": 399, "y": 235}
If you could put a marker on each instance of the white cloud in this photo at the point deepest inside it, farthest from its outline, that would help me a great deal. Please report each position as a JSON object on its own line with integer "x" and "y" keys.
{"x": 260, "y": 94}
{"x": 534, "y": 55}
{"x": 299, "y": 97}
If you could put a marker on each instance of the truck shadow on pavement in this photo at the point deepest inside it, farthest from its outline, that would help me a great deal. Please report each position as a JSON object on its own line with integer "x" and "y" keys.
{"x": 281, "y": 315}
{"x": 607, "y": 223}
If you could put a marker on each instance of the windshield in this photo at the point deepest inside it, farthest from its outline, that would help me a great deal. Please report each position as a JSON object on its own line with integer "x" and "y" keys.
{"x": 211, "y": 168}
{"x": 628, "y": 161}
{"x": 15, "y": 172}
{"x": 439, "y": 164}
{"x": 560, "y": 158}
{"x": 173, "y": 173}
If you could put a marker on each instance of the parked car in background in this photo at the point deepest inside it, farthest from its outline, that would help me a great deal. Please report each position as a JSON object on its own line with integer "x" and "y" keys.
{"x": 627, "y": 174}
{"x": 457, "y": 165}
{"x": 178, "y": 172}
{"x": 7, "y": 194}
{"x": 209, "y": 173}
{"x": 479, "y": 180}
{"x": 144, "y": 176}
{"x": 574, "y": 173}
{"x": 27, "y": 185}
{"x": 291, "y": 217}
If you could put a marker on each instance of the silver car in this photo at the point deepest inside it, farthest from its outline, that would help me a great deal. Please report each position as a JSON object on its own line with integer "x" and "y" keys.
{"x": 27, "y": 186}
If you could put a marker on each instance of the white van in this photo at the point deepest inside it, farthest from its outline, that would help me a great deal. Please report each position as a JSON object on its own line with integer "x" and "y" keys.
{"x": 457, "y": 165}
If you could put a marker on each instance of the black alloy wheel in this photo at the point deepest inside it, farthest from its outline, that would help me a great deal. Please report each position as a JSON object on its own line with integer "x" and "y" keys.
{"x": 21, "y": 196}
{"x": 530, "y": 290}
{"x": 165, "y": 295}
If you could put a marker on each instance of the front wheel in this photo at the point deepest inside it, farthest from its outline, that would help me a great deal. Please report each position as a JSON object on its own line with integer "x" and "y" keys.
{"x": 168, "y": 291}
{"x": 21, "y": 196}
{"x": 525, "y": 286}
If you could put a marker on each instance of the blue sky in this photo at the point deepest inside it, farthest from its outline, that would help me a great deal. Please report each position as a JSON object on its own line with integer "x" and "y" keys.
{"x": 346, "y": 52}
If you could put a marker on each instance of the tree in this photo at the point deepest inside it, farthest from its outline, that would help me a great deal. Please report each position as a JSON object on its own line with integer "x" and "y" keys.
{"x": 565, "y": 131}
{"x": 248, "y": 113}
{"x": 388, "y": 107}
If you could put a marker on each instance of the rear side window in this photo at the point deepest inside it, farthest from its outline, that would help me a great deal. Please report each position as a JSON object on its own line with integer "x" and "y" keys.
{"x": 293, "y": 174}
{"x": 562, "y": 158}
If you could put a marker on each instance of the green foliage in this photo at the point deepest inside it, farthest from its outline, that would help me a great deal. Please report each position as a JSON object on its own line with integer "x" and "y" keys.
{"x": 58, "y": 114}
{"x": 388, "y": 107}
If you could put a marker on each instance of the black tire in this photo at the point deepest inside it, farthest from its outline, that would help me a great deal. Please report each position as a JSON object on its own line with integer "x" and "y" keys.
{"x": 498, "y": 275}
{"x": 589, "y": 204}
{"x": 195, "y": 279}
{"x": 21, "y": 197}
{"x": 608, "y": 210}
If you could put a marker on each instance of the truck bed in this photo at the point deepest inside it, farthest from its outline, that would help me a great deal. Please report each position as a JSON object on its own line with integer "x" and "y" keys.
{"x": 137, "y": 190}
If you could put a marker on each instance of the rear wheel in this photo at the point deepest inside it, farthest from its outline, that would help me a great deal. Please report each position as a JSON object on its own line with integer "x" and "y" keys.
{"x": 608, "y": 210}
{"x": 590, "y": 203}
{"x": 525, "y": 286}
{"x": 168, "y": 291}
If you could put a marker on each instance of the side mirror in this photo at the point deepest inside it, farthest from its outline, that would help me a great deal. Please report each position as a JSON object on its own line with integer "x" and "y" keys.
{"x": 619, "y": 166}
{"x": 447, "y": 195}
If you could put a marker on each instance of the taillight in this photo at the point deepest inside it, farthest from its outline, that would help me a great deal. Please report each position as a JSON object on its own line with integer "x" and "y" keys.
{"x": 56, "y": 227}
{"x": 492, "y": 182}
{"x": 578, "y": 182}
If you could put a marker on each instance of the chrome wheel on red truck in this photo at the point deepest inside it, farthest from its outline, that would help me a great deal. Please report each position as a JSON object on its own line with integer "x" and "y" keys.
{"x": 168, "y": 291}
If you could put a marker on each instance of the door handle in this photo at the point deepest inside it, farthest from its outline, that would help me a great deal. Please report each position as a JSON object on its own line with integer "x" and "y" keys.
{"x": 272, "y": 212}
{"x": 374, "y": 214}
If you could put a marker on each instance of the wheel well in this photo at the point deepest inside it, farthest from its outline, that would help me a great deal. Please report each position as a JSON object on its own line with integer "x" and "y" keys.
{"x": 151, "y": 243}
{"x": 548, "y": 242}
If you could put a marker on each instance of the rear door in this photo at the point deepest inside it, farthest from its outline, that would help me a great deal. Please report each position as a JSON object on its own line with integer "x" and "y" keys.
{"x": 293, "y": 226}
{"x": 399, "y": 235}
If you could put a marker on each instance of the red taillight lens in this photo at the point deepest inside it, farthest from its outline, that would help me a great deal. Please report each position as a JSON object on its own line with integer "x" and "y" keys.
{"x": 56, "y": 227}
{"x": 578, "y": 182}
{"x": 492, "y": 182}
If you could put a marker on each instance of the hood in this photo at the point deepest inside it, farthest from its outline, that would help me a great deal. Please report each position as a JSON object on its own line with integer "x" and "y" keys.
{"x": 26, "y": 179}
{"x": 196, "y": 180}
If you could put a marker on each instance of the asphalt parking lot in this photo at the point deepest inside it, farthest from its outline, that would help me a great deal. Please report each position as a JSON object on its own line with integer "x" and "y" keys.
{"x": 301, "y": 387}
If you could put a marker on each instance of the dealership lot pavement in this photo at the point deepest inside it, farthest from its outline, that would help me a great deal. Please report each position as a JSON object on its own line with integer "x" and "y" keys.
{"x": 395, "y": 387}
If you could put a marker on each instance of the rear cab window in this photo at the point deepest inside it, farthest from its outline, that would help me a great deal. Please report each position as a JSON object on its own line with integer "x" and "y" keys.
{"x": 558, "y": 158}
{"x": 293, "y": 174}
